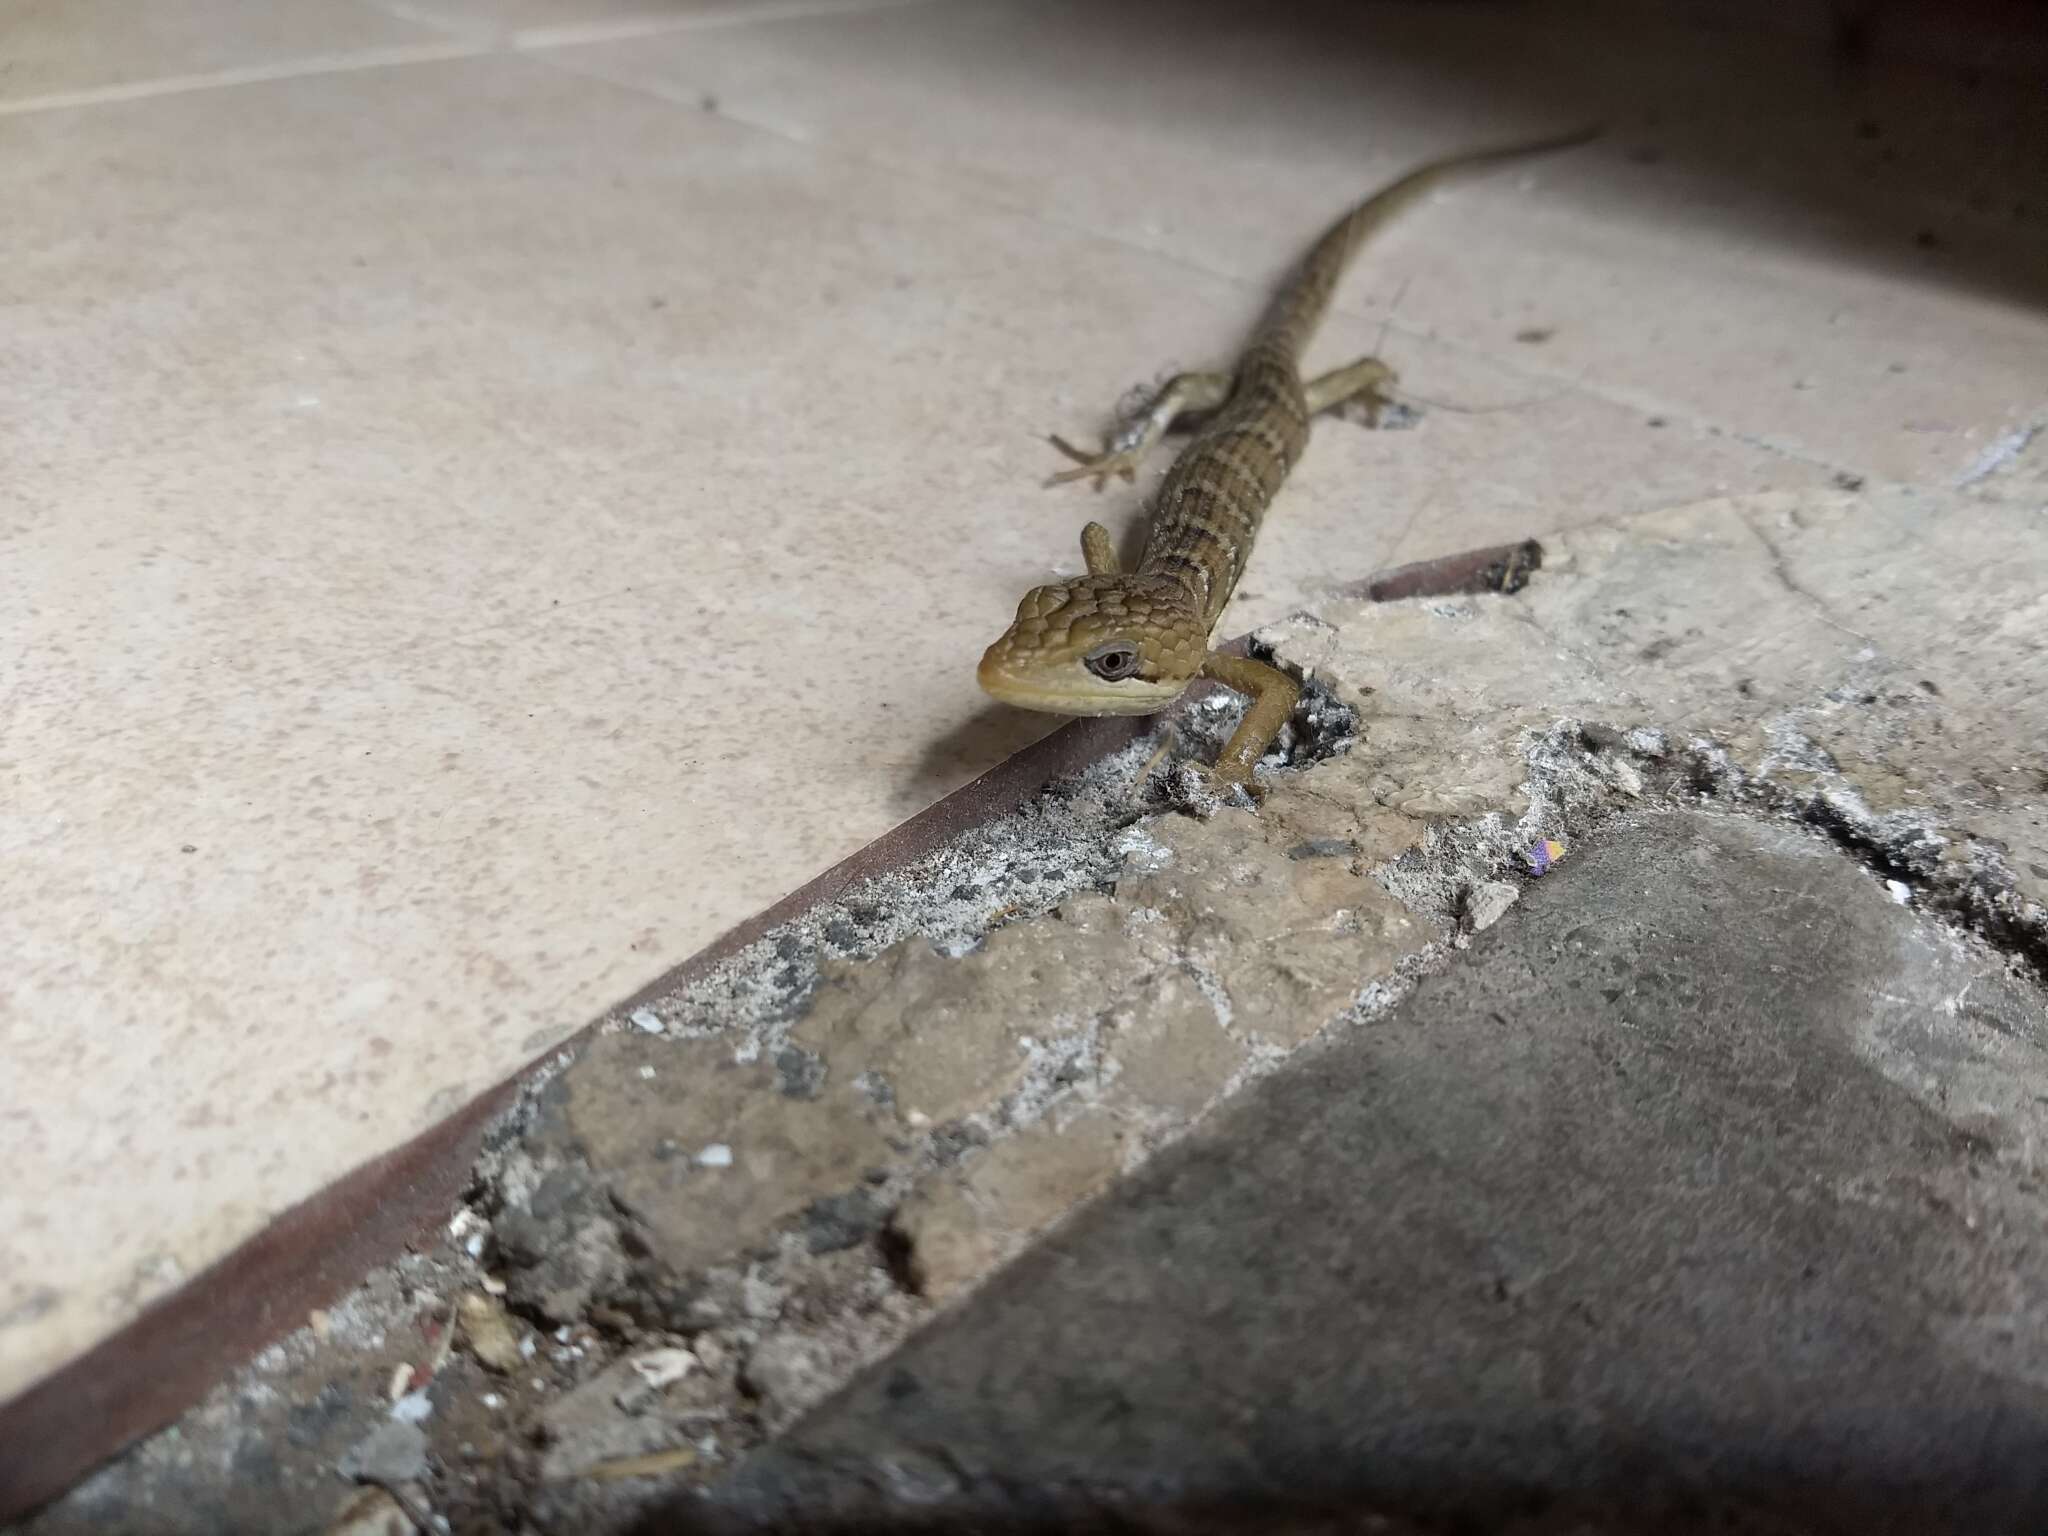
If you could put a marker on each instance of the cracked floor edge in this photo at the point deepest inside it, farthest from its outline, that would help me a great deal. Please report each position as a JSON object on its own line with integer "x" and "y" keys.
{"x": 614, "y": 1308}
{"x": 145, "y": 1376}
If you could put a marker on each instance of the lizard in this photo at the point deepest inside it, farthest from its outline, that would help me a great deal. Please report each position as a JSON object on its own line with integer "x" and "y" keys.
{"x": 1115, "y": 642}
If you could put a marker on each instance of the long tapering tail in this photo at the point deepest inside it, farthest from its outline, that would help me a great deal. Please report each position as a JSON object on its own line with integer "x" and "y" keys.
{"x": 1287, "y": 326}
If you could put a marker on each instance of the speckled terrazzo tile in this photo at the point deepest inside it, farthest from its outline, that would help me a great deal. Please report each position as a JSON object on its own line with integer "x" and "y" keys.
{"x": 1850, "y": 270}
{"x": 52, "y": 49}
{"x": 511, "y": 566}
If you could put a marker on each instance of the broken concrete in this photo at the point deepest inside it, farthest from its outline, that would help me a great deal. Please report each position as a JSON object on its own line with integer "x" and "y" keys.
{"x": 1628, "y": 1209}
{"x": 794, "y": 1163}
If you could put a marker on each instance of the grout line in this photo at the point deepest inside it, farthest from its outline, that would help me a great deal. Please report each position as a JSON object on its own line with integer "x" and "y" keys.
{"x": 623, "y": 28}
{"x": 254, "y": 74}
{"x": 435, "y": 21}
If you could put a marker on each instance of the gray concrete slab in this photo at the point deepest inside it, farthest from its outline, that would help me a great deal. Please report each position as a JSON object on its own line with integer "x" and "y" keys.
{"x": 1658, "y": 1207}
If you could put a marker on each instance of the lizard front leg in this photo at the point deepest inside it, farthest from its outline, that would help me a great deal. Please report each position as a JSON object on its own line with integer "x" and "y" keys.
{"x": 1098, "y": 552}
{"x": 1273, "y": 695}
{"x": 1185, "y": 394}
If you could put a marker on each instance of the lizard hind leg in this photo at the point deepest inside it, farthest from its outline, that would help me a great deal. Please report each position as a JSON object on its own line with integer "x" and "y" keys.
{"x": 1185, "y": 394}
{"x": 1368, "y": 380}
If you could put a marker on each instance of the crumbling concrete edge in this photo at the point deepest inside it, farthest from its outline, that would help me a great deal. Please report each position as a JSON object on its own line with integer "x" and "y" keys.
{"x": 1578, "y": 775}
{"x": 165, "y": 1361}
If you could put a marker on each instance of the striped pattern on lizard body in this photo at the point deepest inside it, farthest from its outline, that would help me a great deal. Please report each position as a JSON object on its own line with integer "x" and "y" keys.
{"x": 1131, "y": 643}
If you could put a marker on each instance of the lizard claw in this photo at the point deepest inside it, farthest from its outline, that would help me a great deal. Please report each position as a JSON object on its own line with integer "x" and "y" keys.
{"x": 1094, "y": 466}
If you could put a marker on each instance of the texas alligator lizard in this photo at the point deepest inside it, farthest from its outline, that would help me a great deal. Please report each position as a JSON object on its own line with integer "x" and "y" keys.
{"x": 1130, "y": 643}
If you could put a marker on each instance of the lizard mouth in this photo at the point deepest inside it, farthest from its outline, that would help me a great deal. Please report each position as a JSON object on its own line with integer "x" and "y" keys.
{"x": 1078, "y": 696}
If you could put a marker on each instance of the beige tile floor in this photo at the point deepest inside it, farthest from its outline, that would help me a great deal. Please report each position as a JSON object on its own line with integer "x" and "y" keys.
{"x": 498, "y": 490}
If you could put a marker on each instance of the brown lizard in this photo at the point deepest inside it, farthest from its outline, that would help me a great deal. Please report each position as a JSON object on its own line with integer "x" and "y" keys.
{"x": 1130, "y": 643}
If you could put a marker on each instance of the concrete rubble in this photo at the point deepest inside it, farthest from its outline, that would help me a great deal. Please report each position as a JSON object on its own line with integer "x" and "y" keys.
{"x": 747, "y": 1194}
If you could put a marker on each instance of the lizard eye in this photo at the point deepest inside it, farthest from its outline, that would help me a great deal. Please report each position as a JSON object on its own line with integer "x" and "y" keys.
{"x": 1112, "y": 662}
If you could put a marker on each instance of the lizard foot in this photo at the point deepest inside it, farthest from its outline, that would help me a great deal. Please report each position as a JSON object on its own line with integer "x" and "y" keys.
{"x": 1094, "y": 466}
{"x": 1203, "y": 790}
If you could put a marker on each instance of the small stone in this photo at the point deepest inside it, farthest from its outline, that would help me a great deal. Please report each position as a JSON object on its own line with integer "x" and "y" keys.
{"x": 562, "y": 1250}
{"x": 841, "y": 1221}
{"x": 709, "y": 1352}
{"x": 660, "y": 1367}
{"x": 717, "y": 1155}
{"x": 646, "y": 1020}
{"x": 489, "y": 1332}
{"x": 413, "y": 1408}
{"x": 787, "y": 1372}
{"x": 1324, "y": 848}
{"x": 761, "y": 1298}
{"x": 799, "y": 1074}
{"x": 1900, "y": 892}
{"x": 1487, "y": 903}
{"x": 1648, "y": 741}
{"x": 394, "y": 1452}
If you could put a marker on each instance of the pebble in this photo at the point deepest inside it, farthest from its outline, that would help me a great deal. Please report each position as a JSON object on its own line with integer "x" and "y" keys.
{"x": 393, "y": 1452}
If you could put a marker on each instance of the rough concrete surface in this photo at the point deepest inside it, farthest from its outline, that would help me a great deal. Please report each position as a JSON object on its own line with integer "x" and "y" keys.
{"x": 1707, "y": 1157}
{"x": 1678, "y": 1190}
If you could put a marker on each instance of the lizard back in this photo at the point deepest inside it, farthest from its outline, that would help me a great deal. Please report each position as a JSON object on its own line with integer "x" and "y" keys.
{"x": 1207, "y": 513}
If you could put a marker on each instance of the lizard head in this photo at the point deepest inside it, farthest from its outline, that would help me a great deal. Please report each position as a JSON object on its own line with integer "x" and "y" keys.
{"x": 1099, "y": 645}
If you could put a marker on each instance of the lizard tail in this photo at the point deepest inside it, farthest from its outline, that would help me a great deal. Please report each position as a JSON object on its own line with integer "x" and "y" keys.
{"x": 1286, "y": 329}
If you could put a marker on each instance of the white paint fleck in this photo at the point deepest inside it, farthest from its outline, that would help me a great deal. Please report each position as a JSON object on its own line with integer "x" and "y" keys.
{"x": 717, "y": 1155}
{"x": 1901, "y": 892}
{"x": 1999, "y": 454}
{"x": 647, "y": 1074}
{"x": 661, "y": 1367}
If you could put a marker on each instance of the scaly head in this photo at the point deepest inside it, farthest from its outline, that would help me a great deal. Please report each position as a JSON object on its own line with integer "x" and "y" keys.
{"x": 1099, "y": 645}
